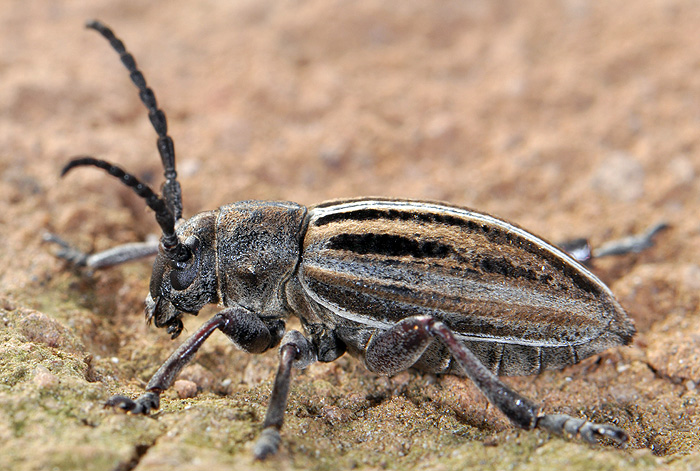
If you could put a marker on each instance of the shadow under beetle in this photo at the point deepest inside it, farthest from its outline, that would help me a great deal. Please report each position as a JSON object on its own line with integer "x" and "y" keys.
{"x": 396, "y": 283}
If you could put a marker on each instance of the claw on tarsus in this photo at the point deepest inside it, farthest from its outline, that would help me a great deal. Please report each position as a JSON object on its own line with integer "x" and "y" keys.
{"x": 143, "y": 405}
{"x": 121, "y": 402}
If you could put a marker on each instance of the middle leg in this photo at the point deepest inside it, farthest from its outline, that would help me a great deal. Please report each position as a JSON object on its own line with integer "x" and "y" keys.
{"x": 295, "y": 350}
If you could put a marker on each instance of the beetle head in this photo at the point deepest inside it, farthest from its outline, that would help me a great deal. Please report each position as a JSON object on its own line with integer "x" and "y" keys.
{"x": 184, "y": 286}
{"x": 184, "y": 273}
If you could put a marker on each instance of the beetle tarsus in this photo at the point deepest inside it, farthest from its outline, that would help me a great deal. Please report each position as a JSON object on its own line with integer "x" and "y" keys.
{"x": 632, "y": 244}
{"x": 590, "y": 432}
{"x": 143, "y": 405}
{"x": 66, "y": 251}
{"x": 268, "y": 443}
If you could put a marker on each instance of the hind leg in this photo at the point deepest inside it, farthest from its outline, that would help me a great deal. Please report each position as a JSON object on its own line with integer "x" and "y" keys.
{"x": 401, "y": 346}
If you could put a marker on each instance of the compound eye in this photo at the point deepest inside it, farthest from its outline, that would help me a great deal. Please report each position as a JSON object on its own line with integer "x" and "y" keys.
{"x": 182, "y": 279}
{"x": 183, "y": 273}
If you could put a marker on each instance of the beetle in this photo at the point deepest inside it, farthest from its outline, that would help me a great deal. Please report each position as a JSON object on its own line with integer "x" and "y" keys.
{"x": 396, "y": 283}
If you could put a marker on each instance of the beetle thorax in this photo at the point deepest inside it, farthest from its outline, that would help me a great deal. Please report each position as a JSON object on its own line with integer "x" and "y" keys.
{"x": 258, "y": 250}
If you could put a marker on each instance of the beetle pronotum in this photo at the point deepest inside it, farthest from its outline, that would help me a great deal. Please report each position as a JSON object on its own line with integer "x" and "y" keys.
{"x": 396, "y": 283}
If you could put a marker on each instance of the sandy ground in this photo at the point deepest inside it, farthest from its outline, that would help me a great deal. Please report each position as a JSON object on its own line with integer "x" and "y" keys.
{"x": 572, "y": 118}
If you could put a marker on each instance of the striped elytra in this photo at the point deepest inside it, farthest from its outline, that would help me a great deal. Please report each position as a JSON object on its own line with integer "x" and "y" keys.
{"x": 519, "y": 303}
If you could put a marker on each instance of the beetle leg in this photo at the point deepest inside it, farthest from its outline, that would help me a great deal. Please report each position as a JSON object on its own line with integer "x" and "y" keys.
{"x": 632, "y": 244}
{"x": 107, "y": 258}
{"x": 245, "y": 329}
{"x": 407, "y": 341}
{"x": 295, "y": 350}
{"x": 581, "y": 250}
{"x": 398, "y": 348}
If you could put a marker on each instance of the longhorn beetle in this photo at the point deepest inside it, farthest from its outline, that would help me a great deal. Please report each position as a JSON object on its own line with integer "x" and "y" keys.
{"x": 395, "y": 283}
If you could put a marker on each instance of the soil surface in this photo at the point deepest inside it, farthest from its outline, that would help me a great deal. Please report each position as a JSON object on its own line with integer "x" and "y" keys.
{"x": 571, "y": 118}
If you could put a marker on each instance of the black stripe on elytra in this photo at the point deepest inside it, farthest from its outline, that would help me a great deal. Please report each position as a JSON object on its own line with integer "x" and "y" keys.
{"x": 502, "y": 266}
{"x": 397, "y": 246}
{"x": 491, "y": 233}
{"x": 369, "y": 214}
{"x": 389, "y": 245}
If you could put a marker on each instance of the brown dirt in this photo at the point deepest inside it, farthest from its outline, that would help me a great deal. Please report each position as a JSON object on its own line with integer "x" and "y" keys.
{"x": 571, "y": 118}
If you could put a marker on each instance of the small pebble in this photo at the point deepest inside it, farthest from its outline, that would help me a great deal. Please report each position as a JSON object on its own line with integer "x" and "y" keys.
{"x": 44, "y": 378}
{"x": 185, "y": 389}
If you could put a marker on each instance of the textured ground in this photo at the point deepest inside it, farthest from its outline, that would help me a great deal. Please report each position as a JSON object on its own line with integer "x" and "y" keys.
{"x": 572, "y": 118}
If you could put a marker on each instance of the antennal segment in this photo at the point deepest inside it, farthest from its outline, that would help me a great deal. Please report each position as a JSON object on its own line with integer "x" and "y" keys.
{"x": 172, "y": 193}
{"x": 164, "y": 216}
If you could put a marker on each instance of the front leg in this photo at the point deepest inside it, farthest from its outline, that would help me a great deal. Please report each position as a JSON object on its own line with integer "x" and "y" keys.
{"x": 401, "y": 346}
{"x": 245, "y": 330}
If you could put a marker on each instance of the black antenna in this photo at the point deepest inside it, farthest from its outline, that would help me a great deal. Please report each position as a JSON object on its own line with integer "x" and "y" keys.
{"x": 172, "y": 194}
{"x": 166, "y": 220}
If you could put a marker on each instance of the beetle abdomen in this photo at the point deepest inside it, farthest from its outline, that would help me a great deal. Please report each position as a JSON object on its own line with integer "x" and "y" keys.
{"x": 521, "y": 304}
